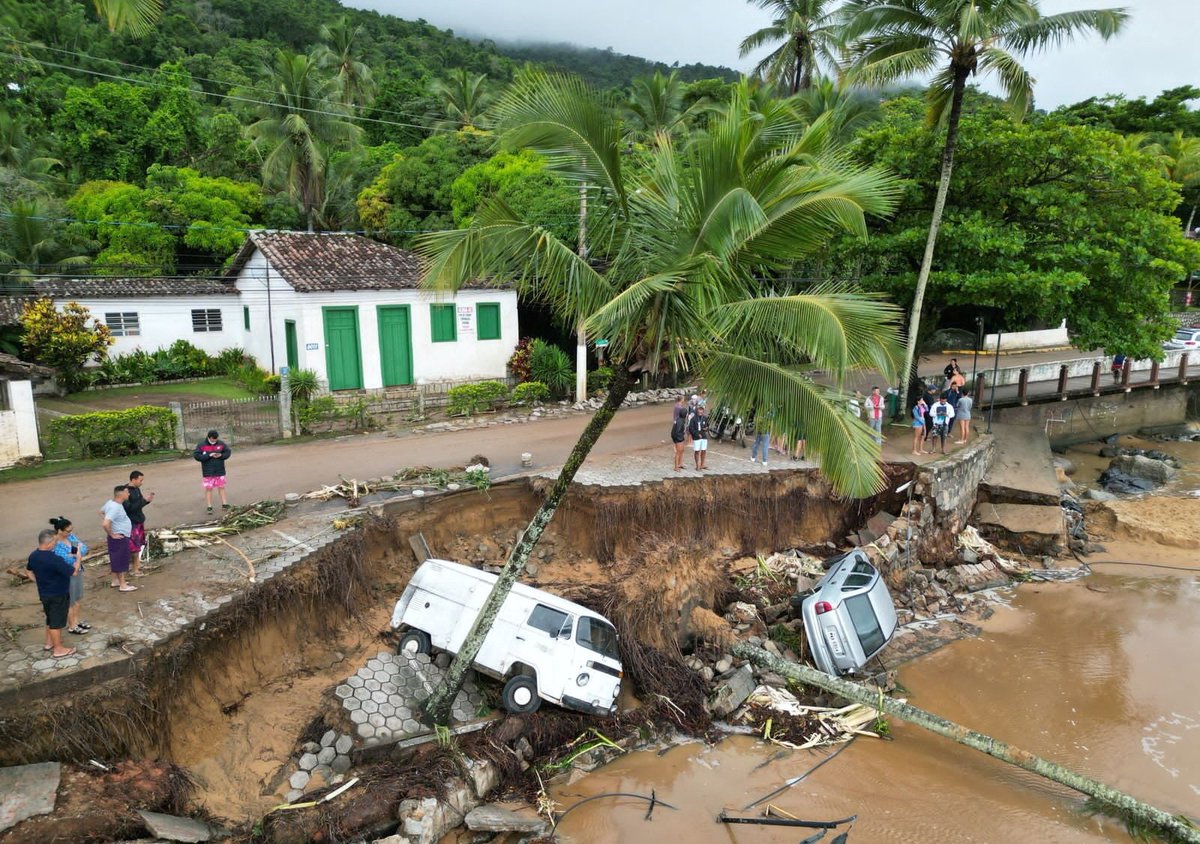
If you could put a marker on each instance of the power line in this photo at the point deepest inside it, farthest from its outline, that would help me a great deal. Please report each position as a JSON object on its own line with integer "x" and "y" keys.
{"x": 228, "y": 84}
{"x": 152, "y": 84}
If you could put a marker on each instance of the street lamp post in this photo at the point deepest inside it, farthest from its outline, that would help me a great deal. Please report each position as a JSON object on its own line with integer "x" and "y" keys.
{"x": 978, "y": 343}
{"x": 995, "y": 374}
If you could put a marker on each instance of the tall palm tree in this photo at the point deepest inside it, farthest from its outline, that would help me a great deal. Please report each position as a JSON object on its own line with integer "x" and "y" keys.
{"x": 30, "y": 241}
{"x": 22, "y": 152}
{"x": 679, "y": 238}
{"x": 809, "y": 32}
{"x": 1181, "y": 163}
{"x": 136, "y": 17}
{"x": 656, "y": 105}
{"x": 463, "y": 99}
{"x": 301, "y": 123}
{"x": 339, "y": 52}
{"x": 956, "y": 40}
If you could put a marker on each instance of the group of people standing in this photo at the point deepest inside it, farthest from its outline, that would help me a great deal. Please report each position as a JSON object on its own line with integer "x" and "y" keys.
{"x": 57, "y": 565}
{"x": 689, "y": 423}
{"x": 934, "y": 413}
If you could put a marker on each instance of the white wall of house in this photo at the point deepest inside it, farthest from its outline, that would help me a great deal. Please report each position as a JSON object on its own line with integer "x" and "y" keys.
{"x": 163, "y": 320}
{"x": 18, "y": 423}
{"x": 464, "y": 358}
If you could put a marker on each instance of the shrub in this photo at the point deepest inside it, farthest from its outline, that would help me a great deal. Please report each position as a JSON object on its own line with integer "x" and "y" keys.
{"x": 518, "y": 363}
{"x": 466, "y": 399}
{"x": 63, "y": 340}
{"x": 114, "y": 433}
{"x": 550, "y": 365}
{"x": 529, "y": 392}
{"x": 599, "y": 379}
{"x": 323, "y": 413}
{"x": 253, "y": 379}
{"x": 180, "y": 360}
{"x": 303, "y": 384}
{"x": 228, "y": 361}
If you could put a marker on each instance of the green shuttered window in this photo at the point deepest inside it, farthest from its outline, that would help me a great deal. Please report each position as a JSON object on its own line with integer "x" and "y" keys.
{"x": 441, "y": 317}
{"x": 487, "y": 317}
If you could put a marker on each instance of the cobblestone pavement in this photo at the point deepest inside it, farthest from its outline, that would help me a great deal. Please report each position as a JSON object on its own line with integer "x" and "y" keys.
{"x": 650, "y": 466}
{"x": 383, "y": 698}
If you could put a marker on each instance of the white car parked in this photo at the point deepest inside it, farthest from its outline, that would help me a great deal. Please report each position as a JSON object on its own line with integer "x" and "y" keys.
{"x": 1185, "y": 339}
{"x": 541, "y": 646}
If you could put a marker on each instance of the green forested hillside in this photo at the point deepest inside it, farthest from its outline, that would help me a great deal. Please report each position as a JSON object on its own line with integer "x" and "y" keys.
{"x": 607, "y": 69}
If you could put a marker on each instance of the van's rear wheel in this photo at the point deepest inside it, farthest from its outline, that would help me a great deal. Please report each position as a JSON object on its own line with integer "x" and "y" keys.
{"x": 414, "y": 642}
{"x": 520, "y": 695}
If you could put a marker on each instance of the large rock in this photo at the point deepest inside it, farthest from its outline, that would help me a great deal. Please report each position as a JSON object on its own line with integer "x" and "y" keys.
{"x": 26, "y": 791}
{"x": 492, "y": 818}
{"x": 1122, "y": 483}
{"x": 731, "y": 691}
{"x": 1149, "y": 468}
{"x": 173, "y": 828}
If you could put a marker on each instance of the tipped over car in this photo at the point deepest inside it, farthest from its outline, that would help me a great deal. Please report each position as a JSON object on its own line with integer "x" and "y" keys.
{"x": 848, "y": 615}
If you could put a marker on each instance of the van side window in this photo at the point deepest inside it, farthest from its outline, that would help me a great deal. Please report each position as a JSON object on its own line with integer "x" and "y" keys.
{"x": 550, "y": 620}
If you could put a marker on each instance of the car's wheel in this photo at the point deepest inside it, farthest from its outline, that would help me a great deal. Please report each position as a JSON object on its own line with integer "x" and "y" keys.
{"x": 414, "y": 642}
{"x": 520, "y": 695}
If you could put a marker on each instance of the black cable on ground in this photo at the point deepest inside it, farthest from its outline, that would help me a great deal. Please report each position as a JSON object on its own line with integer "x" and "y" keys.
{"x": 653, "y": 801}
{"x": 803, "y": 776}
{"x": 1146, "y": 565}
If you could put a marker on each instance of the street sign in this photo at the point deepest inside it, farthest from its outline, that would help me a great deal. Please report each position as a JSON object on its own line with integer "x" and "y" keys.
{"x": 600, "y": 344}
{"x": 283, "y": 371}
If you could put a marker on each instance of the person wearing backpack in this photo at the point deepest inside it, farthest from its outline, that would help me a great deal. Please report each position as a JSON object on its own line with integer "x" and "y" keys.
{"x": 698, "y": 429}
{"x": 679, "y": 423}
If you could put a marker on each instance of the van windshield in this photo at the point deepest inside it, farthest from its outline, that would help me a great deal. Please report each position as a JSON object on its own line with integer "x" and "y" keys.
{"x": 866, "y": 624}
{"x": 598, "y": 636}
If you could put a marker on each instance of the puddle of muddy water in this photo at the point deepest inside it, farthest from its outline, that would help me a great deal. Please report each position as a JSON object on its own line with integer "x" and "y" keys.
{"x": 1095, "y": 680}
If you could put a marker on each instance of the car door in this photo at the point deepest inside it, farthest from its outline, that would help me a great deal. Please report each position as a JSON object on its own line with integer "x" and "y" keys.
{"x": 544, "y": 642}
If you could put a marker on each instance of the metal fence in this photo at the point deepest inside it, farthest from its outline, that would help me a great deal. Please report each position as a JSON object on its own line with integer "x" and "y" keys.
{"x": 410, "y": 401}
{"x": 253, "y": 420}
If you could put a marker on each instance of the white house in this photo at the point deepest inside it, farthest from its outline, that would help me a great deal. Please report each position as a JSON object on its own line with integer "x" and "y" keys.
{"x": 345, "y": 306}
{"x": 351, "y": 309}
{"x": 18, "y": 416}
{"x": 152, "y": 313}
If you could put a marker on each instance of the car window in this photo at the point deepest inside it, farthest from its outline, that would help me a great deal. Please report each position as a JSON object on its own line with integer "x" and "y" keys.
{"x": 597, "y": 636}
{"x": 866, "y": 624}
{"x": 855, "y": 581}
{"x": 862, "y": 567}
{"x": 550, "y": 620}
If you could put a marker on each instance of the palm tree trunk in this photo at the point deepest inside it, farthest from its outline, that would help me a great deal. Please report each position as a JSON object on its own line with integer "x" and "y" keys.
{"x": 1174, "y": 828}
{"x": 437, "y": 707}
{"x": 939, "y": 206}
{"x": 1191, "y": 219}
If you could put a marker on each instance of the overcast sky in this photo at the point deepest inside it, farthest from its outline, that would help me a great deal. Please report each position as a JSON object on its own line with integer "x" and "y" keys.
{"x": 1156, "y": 51}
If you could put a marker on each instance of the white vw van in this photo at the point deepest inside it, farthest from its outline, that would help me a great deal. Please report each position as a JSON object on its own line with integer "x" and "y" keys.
{"x": 541, "y": 646}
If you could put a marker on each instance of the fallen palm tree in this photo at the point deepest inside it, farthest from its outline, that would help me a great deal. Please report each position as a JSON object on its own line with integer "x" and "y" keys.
{"x": 1133, "y": 811}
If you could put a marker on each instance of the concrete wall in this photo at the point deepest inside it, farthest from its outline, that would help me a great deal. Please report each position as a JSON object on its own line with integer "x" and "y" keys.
{"x": 1076, "y": 368}
{"x": 1096, "y": 417}
{"x": 163, "y": 320}
{"x": 18, "y": 424}
{"x": 1048, "y": 338}
{"x": 464, "y": 359}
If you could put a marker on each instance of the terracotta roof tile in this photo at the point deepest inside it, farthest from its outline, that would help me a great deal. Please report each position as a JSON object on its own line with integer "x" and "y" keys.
{"x": 132, "y": 288}
{"x": 10, "y": 308}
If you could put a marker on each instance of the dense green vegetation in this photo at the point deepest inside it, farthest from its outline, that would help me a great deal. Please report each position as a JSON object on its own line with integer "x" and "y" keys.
{"x": 123, "y": 154}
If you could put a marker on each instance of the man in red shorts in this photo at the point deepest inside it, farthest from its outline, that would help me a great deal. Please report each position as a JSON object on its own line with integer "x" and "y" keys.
{"x": 212, "y": 453}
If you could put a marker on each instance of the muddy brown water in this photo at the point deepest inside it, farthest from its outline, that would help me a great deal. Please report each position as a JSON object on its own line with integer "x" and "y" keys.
{"x": 1098, "y": 675}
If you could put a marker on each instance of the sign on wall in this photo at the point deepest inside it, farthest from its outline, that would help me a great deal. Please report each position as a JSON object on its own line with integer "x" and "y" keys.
{"x": 311, "y": 347}
{"x": 466, "y": 319}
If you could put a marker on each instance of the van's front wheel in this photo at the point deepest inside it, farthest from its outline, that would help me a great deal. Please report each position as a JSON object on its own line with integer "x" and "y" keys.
{"x": 520, "y": 695}
{"x": 414, "y": 642}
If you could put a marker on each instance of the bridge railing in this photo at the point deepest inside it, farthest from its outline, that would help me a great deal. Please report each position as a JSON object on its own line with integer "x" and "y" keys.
{"x": 1041, "y": 382}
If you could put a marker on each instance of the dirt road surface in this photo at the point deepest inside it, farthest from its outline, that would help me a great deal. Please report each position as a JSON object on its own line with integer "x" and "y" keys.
{"x": 259, "y": 472}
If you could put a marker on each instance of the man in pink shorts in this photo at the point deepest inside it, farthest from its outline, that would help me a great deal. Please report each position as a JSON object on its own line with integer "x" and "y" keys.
{"x": 212, "y": 453}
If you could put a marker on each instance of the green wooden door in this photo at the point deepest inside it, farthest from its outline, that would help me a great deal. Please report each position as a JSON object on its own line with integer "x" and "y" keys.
{"x": 293, "y": 348}
{"x": 343, "y": 358}
{"x": 395, "y": 345}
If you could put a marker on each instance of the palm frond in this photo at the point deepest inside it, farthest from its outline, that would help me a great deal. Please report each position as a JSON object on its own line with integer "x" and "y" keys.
{"x": 1056, "y": 30}
{"x": 1015, "y": 80}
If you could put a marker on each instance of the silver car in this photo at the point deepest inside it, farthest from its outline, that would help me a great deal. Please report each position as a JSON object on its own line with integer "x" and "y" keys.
{"x": 1185, "y": 339}
{"x": 848, "y": 616}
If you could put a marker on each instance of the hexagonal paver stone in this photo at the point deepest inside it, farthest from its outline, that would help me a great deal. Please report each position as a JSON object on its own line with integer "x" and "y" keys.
{"x": 373, "y": 685}
{"x": 308, "y": 761}
{"x": 403, "y": 712}
{"x": 383, "y": 734}
{"x": 352, "y": 704}
{"x": 354, "y": 681}
{"x": 329, "y": 738}
{"x": 387, "y": 710}
{"x": 362, "y": 694}
{"x": 370, "y": 707}
{"x": 340, "y": 764}
{"x": 299, "y": 779}
{"x": 358, "y": 717}
{"x": 367, "y": 731}
{"x": 376, "y": 720}
{"x": 343, "y": 691}
{"x": 326, "y": 755}
{"x": 343, "y": 744}
{"x": 409, "y": 726}
{"x": 293, "y": 795}
{"x": 374, "y": 664}
{"x": 389, "y": 688}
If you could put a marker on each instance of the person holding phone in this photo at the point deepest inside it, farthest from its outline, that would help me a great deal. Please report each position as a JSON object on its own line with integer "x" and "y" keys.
{"x": 68, "y": 546}
{"x": 135, "y": 508}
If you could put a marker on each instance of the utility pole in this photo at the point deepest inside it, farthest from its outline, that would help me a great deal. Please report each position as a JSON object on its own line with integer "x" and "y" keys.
{"x": 978, "y": 344}
{"x": 580, "y": 334}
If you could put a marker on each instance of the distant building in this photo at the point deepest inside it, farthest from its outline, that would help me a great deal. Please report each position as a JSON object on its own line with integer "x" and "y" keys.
{"x": 345, "y": 306}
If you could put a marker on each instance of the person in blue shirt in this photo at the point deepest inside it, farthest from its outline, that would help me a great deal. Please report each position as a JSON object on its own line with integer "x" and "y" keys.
{"x": 68, "y": 546}
{"x": 52, "y": 574}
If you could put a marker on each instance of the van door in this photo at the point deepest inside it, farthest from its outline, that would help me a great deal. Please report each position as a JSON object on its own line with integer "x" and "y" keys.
{"x": 544, "y": 642}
